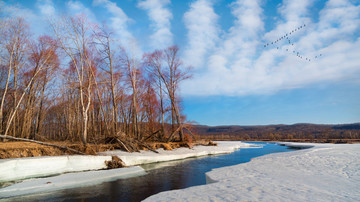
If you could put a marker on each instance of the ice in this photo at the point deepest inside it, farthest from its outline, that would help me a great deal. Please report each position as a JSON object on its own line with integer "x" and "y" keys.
{"x": 324, "y": 172}
{"x": 145, "y": 157}
{"x": 22, "y": 168}
{"x": 69, "y": 180}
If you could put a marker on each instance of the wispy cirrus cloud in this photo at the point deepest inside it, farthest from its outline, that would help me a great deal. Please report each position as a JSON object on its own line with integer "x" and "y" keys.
{"x": 160, "y": 16}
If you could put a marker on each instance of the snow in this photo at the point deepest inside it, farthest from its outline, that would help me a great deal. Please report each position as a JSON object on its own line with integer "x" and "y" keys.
{"x": 145, "y": 157}
{"x": 22, "y": 168}
{"x": 69, "y": 180}
{"x": 324, "y": 172}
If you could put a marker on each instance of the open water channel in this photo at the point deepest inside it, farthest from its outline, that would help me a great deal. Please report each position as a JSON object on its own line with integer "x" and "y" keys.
{"x": 160, "y": 177}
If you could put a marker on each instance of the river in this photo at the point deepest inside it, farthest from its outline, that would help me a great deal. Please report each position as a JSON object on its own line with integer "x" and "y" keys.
{"x": 160, "y": 177}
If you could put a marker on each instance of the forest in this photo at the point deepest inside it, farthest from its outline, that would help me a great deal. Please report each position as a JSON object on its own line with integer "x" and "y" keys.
{"x": 77, "y": 83}
{"x": 302, "y": 132}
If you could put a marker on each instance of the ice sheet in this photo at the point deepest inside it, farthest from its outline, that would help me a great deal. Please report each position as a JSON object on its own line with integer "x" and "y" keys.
{"x": 144, "y": 157}
{"x": 69, "y": 180}
{"x": 22, "y": 168}
{"x": 325, "y": 172}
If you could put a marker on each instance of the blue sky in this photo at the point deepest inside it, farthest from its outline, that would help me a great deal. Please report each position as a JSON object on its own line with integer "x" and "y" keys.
{"x": 314, "y": 78}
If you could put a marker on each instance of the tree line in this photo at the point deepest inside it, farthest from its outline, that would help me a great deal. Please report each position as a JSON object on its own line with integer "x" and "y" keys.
{"x": 76, "y": 83}
{"x": 296, "y": 132}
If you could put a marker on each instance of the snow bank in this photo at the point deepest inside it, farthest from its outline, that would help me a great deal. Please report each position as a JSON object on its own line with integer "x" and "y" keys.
{"x": 325, "y": 172}
{"x": 22, "y": 168}
{"x": 14, "y": 169}
{"x": 144, "y": 157}
{"x": 297, "y": 145}
{"x": 69, "y": 180}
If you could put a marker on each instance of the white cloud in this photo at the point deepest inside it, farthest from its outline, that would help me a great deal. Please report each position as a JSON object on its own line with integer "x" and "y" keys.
{"x": 77, "y": 8}
{"x": 46, "y": 7}
{"x": 37, "y": 23}
{"x": 241, "y": 66}
{"x": 119, "y": 23}
{"x": 16, "y": 10}
{"x": 231, "y": 61}
{"x": 160, "y": 16}
{"x": 203, "y": 31}
{"x": 294, "y": 14}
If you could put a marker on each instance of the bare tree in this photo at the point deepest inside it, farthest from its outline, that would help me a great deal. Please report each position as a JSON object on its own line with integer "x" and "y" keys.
{"x": 108, "y": 56}
{"x": 43, "y": 64}
{"x": 132, "y": 73}
{"x": 74, "y": 35}
{"x": 154, "y": 63}
{"x": 102, "y": 89}
{"x": 167, "y": 66}
{"x": 15, "y": 41}
{"x": 42, "y": 54}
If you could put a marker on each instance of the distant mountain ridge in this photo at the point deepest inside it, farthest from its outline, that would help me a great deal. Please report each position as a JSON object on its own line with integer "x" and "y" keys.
{"x": 281, "y": 131}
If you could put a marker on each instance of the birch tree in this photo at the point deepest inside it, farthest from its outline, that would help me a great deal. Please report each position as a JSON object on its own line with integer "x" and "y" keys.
{"x": 154, "y": 64}
{"x": 14, "y": 44}
{"x": 167, "y": 67}
{"x": 75, "y": 37}
{"x": 132, "y": 73}
{"x": 109, "y": 55}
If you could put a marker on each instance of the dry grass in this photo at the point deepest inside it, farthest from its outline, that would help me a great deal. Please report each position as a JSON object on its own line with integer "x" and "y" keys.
{"x": 27, "y": 149}
{"x": 18, "y": 149}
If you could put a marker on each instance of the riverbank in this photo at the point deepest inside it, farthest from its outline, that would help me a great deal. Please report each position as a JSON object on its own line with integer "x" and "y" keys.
{"x": 325, "y": 172}
{"x": 42, "y": 166}
{"x": 20, "y": 149}
{"x": 145, "y": 157}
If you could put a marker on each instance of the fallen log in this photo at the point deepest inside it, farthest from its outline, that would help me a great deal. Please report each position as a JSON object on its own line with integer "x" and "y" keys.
{"x": 42, "y": 143}
{"x": 151, "y": 135}
{"x": 117, "y": 139}
{"x": 168, "y": 140}
{"x": 192, "y": 135}
{"x": 147, "y": 147}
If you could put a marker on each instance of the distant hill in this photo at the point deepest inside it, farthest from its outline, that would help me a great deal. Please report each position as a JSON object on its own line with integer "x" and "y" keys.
{"x": 354, "y": 126}
{"x": 300, "y": 131}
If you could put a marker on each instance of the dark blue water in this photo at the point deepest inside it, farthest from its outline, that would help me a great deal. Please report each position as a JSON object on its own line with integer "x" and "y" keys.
{"x": 160, "y": 177}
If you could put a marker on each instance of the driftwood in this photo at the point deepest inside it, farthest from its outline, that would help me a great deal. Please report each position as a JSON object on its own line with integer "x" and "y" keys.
{"x": 168, "y": 140}
{"x": 149, "y": 148}
{"x": 192, "y": 135}
{"x": 117, "y": 139}
{"x": 152, "y": 135}
{"x": 39, "y": 142}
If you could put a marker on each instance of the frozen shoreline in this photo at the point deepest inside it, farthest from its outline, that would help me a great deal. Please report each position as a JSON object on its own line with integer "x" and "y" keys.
{"x": 31, "y": 167}
{"x": 22, "y": 168}
{"x": 145, "y": 157}
{"x": 69, "y": 180}
{"x": 325, "y": 172}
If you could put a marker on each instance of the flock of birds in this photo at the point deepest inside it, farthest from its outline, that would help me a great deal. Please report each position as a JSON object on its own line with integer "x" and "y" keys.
{"x": 286, "y": 38}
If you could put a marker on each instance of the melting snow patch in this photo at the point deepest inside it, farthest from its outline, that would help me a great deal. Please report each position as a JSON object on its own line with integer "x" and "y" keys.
{"x": 22, "y": 168}
{"x": 325, "y": 172}
{"x": 69, "y": 180}
{"x": 144, "y": 157}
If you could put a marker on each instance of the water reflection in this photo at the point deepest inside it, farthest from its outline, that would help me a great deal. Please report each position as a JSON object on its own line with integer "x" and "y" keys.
{"x": 161, "y": 177}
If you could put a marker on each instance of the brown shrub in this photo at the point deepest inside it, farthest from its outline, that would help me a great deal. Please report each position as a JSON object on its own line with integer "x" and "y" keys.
{"x": 115, "y": 162}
